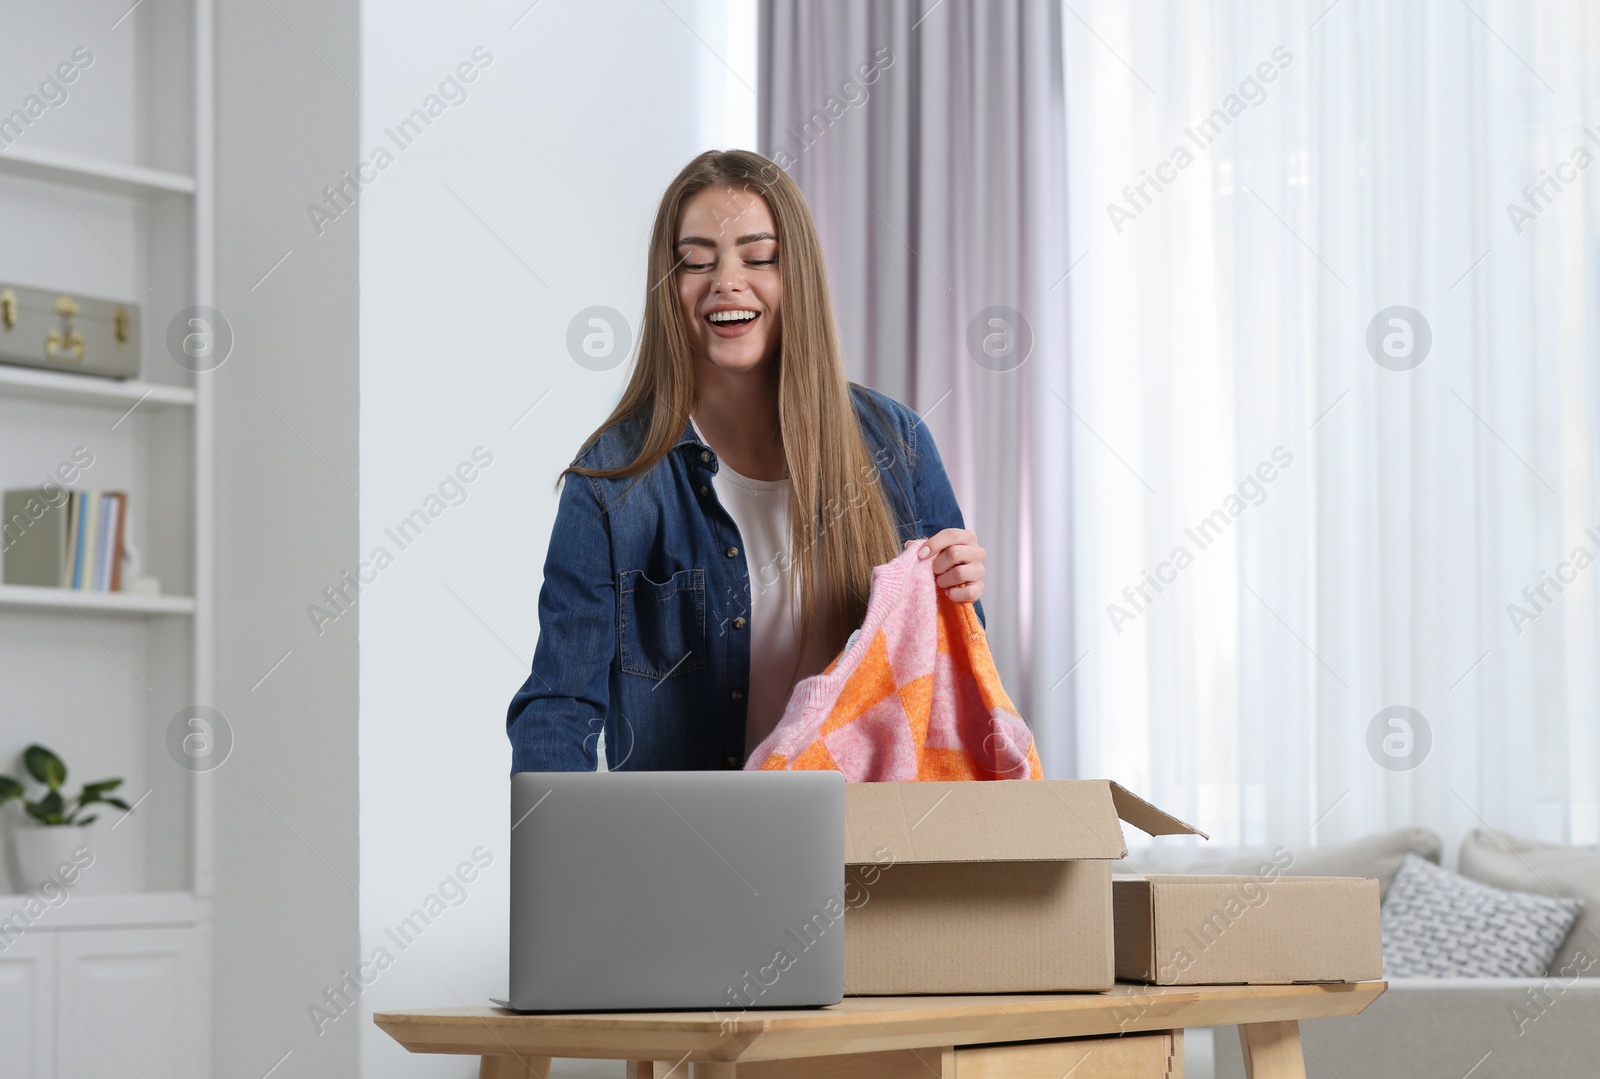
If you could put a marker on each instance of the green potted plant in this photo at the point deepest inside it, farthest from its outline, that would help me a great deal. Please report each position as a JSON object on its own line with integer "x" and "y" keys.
{"x": 55, "y": 825}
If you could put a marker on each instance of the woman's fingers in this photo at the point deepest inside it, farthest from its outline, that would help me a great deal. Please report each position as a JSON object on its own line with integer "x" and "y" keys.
{"x": 957, "y": 563}
{"x": 960, "y": 574}
{"x": 969, "y": 594}
{"x": 958, "y": 568}
{"x": 940, "y": 542}
{"x": 961, "y": 554}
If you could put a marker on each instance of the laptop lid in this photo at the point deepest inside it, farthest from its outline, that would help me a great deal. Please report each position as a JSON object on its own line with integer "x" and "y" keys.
{"x": 677, "y": 890}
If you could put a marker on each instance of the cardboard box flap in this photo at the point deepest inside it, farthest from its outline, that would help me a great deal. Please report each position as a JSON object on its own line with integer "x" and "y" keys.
{"x": 1008, "y": 820}
{"x": 1146, "y": 817}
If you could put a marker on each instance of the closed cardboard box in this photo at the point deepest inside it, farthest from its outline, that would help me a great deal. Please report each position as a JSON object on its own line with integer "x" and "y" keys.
{"x": 993, "y": 887}
{"x": 1262, "y": 930}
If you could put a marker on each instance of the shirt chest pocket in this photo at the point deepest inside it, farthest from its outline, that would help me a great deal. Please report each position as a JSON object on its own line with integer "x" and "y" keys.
{"x": 663, "y": 623}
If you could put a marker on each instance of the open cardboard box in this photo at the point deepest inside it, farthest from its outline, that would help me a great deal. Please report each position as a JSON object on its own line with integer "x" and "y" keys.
{"x": 997, "y": 887}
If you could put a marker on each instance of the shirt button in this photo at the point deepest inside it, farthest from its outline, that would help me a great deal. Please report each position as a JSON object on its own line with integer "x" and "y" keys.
{"x": 733, "y": 762}
{"x": 705, "y": 455}
{"x": 704, "y": 490}
{"x": 736, "y": 695}
{"x": 738, "y": 623}
{"x": 732, "y": 552}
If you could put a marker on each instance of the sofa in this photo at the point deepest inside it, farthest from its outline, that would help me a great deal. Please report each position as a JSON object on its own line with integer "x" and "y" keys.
{"x": 1424, "y": 1028}
{"x": 1445, "y": 1027}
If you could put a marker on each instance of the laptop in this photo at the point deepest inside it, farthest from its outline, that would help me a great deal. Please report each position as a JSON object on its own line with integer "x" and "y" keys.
{"x": 677, "y": 890}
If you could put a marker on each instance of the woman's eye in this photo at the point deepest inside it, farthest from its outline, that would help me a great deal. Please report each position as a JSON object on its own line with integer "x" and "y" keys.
{"x": 700, "y": 267}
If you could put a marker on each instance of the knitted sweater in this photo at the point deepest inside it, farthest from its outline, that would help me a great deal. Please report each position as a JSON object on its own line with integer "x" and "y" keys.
{"x": 913, "y": 696}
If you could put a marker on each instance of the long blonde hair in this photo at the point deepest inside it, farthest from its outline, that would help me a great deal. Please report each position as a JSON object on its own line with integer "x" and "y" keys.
{"x": 840, "y": 525}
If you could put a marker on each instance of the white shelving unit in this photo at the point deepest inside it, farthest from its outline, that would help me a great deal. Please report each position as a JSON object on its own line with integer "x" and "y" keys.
{"x": 111, "y": 195}
{"x": 39, "y": 385}
{"x": 109, "y": 176}
{"x": 65, "y": 599}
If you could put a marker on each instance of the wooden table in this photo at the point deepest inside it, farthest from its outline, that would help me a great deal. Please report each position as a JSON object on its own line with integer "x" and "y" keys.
{"x": 892, "y": 1037}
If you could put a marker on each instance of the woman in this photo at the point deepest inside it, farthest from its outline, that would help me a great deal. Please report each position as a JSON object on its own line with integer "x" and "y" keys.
{"x": 715, "y": 538}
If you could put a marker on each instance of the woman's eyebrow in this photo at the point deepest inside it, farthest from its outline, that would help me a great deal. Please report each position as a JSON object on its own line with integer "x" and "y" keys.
{"x": 749, "y": 238}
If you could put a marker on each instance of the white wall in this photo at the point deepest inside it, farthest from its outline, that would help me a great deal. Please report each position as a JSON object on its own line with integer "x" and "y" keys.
{"x": 526, "y": 202}
{"x": 286, "y": 810}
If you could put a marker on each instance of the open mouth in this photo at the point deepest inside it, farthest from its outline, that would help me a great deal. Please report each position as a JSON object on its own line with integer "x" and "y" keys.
{"x": 732, "y": 323}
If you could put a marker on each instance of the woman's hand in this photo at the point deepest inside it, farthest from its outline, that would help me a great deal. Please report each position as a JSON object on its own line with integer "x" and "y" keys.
{"x": 957, "y": 563}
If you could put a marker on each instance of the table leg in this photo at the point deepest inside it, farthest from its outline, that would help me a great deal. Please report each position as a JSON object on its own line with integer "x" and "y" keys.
{"x": 658, "y": 1069}
{"x": 513, "y": 1067}
{"x": 1272, "y": 1050}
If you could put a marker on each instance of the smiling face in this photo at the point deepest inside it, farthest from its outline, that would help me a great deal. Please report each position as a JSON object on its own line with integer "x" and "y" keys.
{"x": 728, "y": 270}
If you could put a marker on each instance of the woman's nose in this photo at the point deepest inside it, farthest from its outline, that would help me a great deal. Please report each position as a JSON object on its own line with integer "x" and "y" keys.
{"x": 728, "y": 277}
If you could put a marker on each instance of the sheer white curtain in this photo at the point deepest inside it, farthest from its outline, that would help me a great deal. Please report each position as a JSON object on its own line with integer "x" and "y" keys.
{"x": 1327, "y": 536}
{"x": 929, "y": 140}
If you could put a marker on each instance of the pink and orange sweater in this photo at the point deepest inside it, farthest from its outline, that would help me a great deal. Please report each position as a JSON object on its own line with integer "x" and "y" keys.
{"x": 913, "y": 696}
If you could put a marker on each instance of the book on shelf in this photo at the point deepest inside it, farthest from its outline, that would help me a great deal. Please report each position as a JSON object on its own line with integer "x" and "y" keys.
{"x": 61, "y": 538}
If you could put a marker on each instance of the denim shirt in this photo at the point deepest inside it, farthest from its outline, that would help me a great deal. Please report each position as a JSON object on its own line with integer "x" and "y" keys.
{"x": 644, "y": 612}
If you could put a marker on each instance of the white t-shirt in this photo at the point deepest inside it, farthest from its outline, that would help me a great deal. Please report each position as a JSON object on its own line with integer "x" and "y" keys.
{"x": 760, "y": 509}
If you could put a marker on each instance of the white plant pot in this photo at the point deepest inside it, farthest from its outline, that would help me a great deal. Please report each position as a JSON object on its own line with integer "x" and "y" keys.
{"x": 43, "y": 850}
